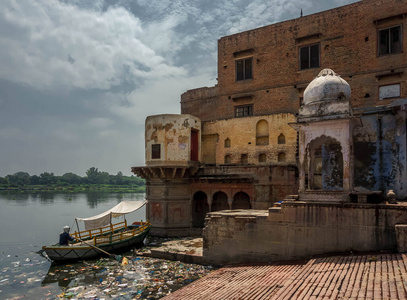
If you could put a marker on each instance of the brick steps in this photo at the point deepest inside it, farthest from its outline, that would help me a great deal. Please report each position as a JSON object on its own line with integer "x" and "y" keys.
{"x": 381, "y": 276}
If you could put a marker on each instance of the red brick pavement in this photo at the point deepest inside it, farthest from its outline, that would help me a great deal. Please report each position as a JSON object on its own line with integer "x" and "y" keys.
{"x": 353, "y": 277}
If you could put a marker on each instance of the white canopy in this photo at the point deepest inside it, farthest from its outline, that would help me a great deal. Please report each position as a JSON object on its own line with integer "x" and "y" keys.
{"x": 105, "y": 218}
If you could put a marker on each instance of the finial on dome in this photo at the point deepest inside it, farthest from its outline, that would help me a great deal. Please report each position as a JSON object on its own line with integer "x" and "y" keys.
{"x": 326, "y": 72}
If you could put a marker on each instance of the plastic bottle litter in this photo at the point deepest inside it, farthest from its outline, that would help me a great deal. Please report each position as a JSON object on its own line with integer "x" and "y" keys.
{"x": 133, "y": 277}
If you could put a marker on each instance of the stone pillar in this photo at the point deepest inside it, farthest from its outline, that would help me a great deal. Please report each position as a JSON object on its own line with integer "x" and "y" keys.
{"x": 351, "y": 167}
{"x": 209, "y": 200}
{"x": 309, "y": 168}
{"x": 230, "y": 203}
{"x": 302, "y": 162}
{"x": 347, "y": 169}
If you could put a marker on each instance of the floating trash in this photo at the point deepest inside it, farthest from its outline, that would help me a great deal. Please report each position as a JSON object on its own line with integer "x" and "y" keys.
{"x": 133, "y": 277}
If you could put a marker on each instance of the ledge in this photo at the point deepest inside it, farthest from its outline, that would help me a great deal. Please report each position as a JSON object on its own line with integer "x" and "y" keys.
{"x": 308, "y": 37}
{"x": 384, "y": 75}
{"x": 243, "y": 52}
{"x": 390, "y": 18}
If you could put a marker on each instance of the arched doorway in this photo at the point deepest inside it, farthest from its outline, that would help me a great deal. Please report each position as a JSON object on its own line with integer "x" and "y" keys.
{"x": 199, "y": 209}
{"x": 219, "y": 202}
{"x": 241, "y": 200}
{"x": 332, "y": 173}
{"x": 326, "y": 165}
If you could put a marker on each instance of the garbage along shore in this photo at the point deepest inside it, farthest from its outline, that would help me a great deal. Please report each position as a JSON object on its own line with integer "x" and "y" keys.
{"x": 137, "y": 276}
{"x": 187, "y": 249}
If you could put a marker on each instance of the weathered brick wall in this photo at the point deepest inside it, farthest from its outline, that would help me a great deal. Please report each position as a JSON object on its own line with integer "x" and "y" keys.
{"x": 242, "y": 135}
{"x": 348, "y": 45}
{"x": 299, "y": 231}
{"x": 202, "y": 101}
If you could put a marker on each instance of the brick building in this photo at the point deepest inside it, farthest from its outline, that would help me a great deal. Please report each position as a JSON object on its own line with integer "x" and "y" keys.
{"x": 244, "y": 153}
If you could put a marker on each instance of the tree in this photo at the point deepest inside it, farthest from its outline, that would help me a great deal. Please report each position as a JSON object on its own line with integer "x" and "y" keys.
{"x": 71, "y": 178}
{"x": 96, "y": 176}
{"x": 34, "y": 180}
{"x": 119, "y": 178}
{"x": 47, "y": 178}
{"x": 4, "y": 181}
{"x": 19, "y": 179}
{"x": 92, "y": 175}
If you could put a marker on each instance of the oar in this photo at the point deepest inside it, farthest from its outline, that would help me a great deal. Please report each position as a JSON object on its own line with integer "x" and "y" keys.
{"x": 117, "y": 257}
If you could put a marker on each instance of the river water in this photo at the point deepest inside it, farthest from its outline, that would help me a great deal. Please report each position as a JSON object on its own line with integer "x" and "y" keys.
{"x": 29, "y": 221}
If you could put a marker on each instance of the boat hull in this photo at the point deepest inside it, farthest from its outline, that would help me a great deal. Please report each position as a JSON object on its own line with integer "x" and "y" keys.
{"x": 61, "y": 254}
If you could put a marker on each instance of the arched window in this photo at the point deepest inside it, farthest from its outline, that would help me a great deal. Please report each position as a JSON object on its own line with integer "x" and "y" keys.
{"x": 228, "y": 159}
{"x": 244, "y": 159}
{"x": 281, "y": 156}
{"x": 227, "y": 143}
{"x": 262, "y": 133}
{"x": 262, "y": 157}
{"x": 281, "y": 139}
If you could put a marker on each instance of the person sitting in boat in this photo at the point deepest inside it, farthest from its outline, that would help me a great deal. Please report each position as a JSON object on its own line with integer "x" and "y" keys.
{"x": 64, "y": 237}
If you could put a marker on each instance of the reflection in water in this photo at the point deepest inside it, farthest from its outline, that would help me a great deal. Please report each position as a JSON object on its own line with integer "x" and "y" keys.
{"x": 92, "y": 198}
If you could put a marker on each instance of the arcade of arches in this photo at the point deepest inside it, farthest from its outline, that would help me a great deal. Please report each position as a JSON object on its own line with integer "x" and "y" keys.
{"x": 203, "y": 204}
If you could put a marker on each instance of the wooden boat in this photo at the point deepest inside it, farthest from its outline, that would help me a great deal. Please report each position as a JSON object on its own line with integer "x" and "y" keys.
{"x": 112, "y": 238}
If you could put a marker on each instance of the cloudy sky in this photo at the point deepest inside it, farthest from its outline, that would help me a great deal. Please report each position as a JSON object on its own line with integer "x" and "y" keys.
{"x": 79, "y": 77}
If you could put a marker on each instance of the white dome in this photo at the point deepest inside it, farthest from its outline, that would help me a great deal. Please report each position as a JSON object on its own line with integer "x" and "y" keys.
{"x": 327, "y": 86}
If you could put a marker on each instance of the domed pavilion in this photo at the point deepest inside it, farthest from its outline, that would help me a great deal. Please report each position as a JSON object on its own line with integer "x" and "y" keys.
{"x": 325, "y": 124}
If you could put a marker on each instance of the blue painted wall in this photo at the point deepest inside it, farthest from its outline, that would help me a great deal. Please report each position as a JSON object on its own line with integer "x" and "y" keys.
{"x": 380, "y": 152}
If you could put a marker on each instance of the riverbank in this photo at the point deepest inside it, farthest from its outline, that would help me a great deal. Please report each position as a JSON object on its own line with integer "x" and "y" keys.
{"x": 108, "y": 188}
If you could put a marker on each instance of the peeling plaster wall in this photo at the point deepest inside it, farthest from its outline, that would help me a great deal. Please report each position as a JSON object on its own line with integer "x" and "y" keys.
{"x": 380, "y": 154}
{"x": 242, "y": 135}
{"x": 173, "y": 134}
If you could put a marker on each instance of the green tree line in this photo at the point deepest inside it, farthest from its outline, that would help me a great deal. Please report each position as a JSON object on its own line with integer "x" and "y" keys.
{"x": 93, "y": 177}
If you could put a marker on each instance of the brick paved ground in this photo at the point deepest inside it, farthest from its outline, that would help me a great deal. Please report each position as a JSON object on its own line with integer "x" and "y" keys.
{"x": 341, "y": 277}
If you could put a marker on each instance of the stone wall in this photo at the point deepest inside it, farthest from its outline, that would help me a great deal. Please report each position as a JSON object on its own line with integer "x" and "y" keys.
{"x": 299, "y": 230}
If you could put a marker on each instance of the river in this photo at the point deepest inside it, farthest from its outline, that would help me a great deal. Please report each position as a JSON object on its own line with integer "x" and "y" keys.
{"x": 29, "y": 221}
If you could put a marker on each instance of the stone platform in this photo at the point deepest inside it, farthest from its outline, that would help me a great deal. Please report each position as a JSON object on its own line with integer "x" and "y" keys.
{"x": 188, "y": 250}
{"x": 381, "y": 276}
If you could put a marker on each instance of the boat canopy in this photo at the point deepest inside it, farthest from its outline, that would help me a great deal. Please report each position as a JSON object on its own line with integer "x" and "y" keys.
{"x": 105, "y": 218}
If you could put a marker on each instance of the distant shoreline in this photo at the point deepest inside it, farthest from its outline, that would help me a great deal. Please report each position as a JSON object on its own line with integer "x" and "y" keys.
{"x": 74, "y": 188}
